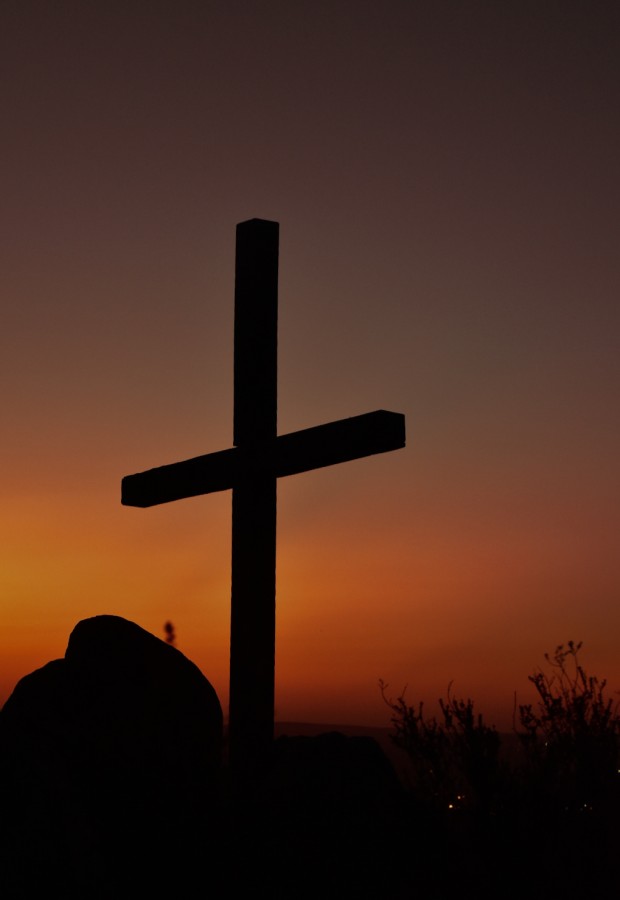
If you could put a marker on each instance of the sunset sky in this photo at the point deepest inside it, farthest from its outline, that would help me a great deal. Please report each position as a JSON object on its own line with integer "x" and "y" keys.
{"x": 445, "y": 176}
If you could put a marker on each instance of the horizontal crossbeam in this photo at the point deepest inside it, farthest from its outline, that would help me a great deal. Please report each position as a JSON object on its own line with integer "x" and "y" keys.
{"x": 289, "y": 454}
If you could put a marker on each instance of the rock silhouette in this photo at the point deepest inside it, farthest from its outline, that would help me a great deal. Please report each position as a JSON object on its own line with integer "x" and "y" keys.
{"x": 110, "y": 761}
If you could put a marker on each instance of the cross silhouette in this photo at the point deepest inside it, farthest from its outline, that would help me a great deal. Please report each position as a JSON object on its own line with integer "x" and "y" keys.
{"x": 251, "y": 469}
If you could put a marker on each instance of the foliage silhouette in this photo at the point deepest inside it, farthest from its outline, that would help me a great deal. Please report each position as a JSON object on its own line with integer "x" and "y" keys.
{"x": 455, "y": 760}
{"x": 570, "y": 743}
{"x": 552, "y": 801}
{"x": 572, "y": 738}
{"x": 171, "y": 637}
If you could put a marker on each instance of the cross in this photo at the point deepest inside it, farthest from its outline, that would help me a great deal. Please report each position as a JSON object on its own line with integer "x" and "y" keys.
{"x": 251, "y": 469}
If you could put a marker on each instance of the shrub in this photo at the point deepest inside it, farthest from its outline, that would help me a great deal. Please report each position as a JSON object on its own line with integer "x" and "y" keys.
{"x": 572, "y": 737}
{"x": 571, "y": 743}
{"x": 550, "y": 819}
{"x": 455, "y": 761}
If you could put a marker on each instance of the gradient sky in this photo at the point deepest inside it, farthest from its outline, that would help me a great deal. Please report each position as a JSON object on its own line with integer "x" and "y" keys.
{"x": 445, "y": 175}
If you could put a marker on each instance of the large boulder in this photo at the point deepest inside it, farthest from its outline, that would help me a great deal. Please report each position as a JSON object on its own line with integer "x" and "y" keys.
{"x": 110, "y": 762}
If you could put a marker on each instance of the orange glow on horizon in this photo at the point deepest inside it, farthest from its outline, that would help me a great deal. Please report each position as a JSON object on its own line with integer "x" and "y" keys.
{"x": 346, "y": 613}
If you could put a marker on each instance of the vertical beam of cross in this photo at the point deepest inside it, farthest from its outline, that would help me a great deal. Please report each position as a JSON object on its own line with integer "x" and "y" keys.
{"x": 252, "y": 633}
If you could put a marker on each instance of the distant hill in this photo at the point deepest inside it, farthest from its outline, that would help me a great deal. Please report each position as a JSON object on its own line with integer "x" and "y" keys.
{"x": 399, "y": 759}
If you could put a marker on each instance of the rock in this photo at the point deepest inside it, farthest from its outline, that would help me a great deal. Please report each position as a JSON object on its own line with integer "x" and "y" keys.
{"x": 110, "y": 762}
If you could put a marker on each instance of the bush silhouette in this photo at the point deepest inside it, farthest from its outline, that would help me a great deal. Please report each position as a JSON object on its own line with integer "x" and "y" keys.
{"x": 572, "y": 737}
{"x": 570, "y": 742}
{"x": 455, "y": 760}
{"x": 547, "y": 815}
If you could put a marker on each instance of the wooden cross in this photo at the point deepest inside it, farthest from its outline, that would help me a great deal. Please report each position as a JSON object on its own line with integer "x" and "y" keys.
{"x": 251, "y": 468}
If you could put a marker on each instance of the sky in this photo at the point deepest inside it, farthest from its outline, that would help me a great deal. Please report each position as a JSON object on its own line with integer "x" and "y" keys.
{"x": 445, "y": 176}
